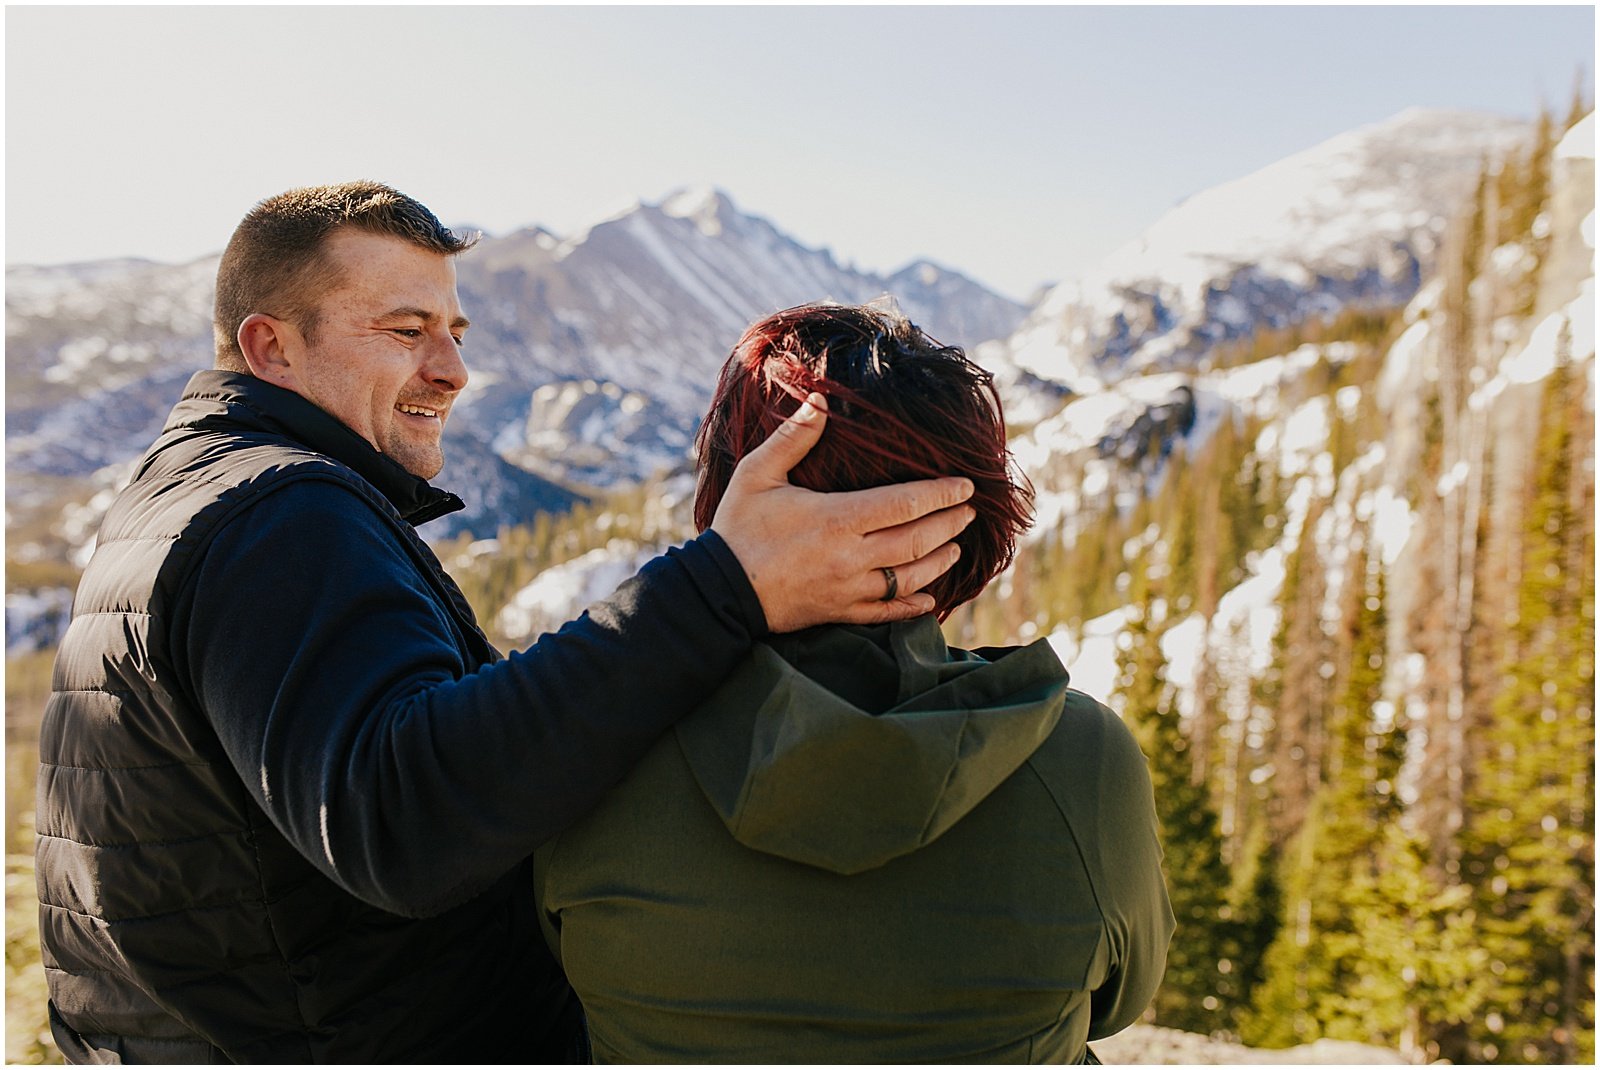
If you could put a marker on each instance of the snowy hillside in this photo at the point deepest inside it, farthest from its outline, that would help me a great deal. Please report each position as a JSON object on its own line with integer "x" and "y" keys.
{"x": 1355, "y": 220}
{"x": 1371, "y": 489}
{"x": 1368, "y": 713}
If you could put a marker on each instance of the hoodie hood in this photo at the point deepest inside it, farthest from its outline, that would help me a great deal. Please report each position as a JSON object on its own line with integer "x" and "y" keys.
{"x": 845, "y": 747}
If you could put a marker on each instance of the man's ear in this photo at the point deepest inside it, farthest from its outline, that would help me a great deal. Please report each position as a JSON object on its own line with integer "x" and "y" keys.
{"x": 267, "y": 344}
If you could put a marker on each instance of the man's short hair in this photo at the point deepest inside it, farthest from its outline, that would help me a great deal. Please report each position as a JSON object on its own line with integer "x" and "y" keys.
{"x": 900, "y": 406}
{"x": 276, "y": 262}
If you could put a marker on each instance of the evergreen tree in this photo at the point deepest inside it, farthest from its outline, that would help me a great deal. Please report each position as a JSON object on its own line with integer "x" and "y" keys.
{"x": 1256, "y": 908}
{"x": 1199, "y": 993}
{"x": 1435, "y": 628}
{"x": 1213, "y": 552}
{"x": 1580, "y": 106}
{"x": 1523, "y": 181}
{"x": 1246, "y": 501}
{"x": 1298, "y": 684}
{"x": 1529, "y": 847}
{"x": 1494, "y": 602}
{"x": 1421, "y": 976}
{"x": 1316, "y": 966}
{"x": 1280, "y": 1012}
{"x": 1093, "y": 564}
{"x": 1525, "y": 189}
{"x": 1180, "y": 520}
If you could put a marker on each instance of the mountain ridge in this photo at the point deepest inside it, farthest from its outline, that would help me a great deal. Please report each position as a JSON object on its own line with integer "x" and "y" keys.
{"x": 628, "y": 319}
{"x": 1353, "y": 220}
{"x": 593, "y": 354}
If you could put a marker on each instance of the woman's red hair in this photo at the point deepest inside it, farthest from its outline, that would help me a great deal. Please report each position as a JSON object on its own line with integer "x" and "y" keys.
{"x": 900, "y": 406}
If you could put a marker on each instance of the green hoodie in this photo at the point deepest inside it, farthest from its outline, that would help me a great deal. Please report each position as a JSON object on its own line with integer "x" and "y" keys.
{"x": 868, "y": 847}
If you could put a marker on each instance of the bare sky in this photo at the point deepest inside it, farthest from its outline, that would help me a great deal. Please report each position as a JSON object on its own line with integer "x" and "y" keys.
{"x": 1019, "y": 145}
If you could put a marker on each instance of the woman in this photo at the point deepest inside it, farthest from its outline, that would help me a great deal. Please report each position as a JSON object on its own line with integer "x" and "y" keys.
{"x": 869, "y": 846}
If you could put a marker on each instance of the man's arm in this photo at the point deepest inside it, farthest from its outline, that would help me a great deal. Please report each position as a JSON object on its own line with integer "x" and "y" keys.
{"x": 328, "y": 669}
{"x": 327, "y": 665}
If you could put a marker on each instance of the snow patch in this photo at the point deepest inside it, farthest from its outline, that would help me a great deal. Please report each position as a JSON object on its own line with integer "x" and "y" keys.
{"x": 1092, "y": 660}
{"x": 1301, "y": 440}
{"x": 1399, "y": 364}
{"x": 1453, "y": 478}
{"x": 1537, "y": 359}
{"x": 1182, "y": 645}
{"x": 561, "y": 593}
{"x": 1578, "y": 143}
{"x": 36, "y": 620}
{"x": 700, "y": 204}
{"x": 1392, "y": 521}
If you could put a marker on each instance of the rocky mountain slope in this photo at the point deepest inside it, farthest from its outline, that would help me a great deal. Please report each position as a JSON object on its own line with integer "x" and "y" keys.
{"x": 592, "y": 356}
{"x": 1355, "y": 221}
{"x": 597, "y": 353}
{"x": 1380, "y": 483}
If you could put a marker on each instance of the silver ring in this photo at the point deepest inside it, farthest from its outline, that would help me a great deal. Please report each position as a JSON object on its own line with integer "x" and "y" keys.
{"x": 893, "y": 581}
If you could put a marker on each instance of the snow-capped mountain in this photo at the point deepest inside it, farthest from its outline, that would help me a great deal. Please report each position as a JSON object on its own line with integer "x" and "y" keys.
{"x": 95, "y": 355}
{"x": 602, "y": 349}
{"x": 1355, "y": 220}
{"x": 592, "y": 357}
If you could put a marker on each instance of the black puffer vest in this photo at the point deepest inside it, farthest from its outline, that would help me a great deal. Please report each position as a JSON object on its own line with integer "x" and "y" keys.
{"x": 177, "y": 924}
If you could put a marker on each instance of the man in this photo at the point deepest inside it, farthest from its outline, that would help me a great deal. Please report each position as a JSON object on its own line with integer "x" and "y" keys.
{"x": 287, "y": 789}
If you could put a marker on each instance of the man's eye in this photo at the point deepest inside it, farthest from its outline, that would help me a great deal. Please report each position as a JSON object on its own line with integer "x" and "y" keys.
{"x": 408, "y": 332}
{"x": 460, "y": 341}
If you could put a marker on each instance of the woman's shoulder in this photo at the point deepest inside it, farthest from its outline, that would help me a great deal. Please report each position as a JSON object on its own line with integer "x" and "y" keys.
{"x": 1092, "y": 758}
{"x": 1085, "y": 718}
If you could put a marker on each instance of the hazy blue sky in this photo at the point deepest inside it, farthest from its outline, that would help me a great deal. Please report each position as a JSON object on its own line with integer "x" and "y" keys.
{"x": 1017, "y": 144}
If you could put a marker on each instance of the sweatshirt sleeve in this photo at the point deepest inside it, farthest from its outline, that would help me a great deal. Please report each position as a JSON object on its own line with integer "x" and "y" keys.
{"x": 1133, "y": 894}
{"x": 330, "y": 671}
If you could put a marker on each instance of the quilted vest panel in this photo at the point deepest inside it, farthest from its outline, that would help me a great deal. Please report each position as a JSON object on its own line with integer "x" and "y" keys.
{"x": 175, "y": 921}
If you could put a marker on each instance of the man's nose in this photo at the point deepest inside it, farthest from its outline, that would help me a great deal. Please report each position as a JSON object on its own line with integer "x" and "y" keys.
{"x": 445, "y": 368}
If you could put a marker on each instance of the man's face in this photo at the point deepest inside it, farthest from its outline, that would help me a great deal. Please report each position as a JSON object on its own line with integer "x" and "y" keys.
{"x": 385, "y": 353}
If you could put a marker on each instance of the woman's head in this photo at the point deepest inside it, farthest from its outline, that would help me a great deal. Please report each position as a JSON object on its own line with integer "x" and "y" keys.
{"x": 900, "y": 406}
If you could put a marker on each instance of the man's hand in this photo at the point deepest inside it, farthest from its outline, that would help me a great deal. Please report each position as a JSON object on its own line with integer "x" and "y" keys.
{"x": 818, "y": 558}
